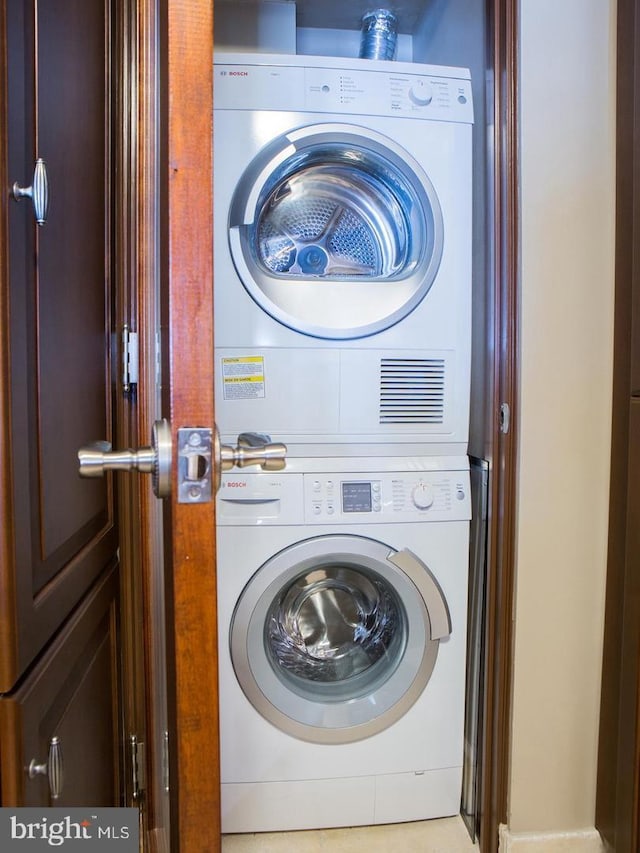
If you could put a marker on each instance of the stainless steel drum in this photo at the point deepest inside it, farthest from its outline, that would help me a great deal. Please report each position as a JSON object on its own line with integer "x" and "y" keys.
{"x": 333, "y": 219}
{"x": 332, "y": 624}
{"x": 335, "y": 637}
{"x": 321, "y": 212}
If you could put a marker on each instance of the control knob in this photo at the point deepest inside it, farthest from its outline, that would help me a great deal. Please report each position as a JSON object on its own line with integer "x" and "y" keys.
{"x": 421, "y": 93}
{"x": 422, "y": 496}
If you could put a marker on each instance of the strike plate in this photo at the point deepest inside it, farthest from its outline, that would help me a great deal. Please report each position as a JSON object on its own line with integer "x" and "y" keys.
{"x": 194, "y": 465}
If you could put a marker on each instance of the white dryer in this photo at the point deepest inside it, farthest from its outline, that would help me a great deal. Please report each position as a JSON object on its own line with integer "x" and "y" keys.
{"x": 342, "y": 219}
{"x": 342, "y": 591}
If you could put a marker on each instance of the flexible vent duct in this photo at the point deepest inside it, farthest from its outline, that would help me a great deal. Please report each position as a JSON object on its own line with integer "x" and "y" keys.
{"x": 412, "y": 391}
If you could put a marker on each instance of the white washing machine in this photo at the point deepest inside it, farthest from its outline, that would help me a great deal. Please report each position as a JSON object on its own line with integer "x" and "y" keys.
{"x": 342, "y": 221}
{"x": 342, "y": 590}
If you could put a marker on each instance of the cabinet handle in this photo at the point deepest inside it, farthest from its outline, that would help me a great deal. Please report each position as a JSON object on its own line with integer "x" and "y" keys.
{"x": 38, "y": 192}
{"x": 53, "y": 768}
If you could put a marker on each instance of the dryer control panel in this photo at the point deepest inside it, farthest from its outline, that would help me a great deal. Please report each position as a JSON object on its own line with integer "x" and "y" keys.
{"x": 343, "y": 498}
{"x": 339, "y": 86}
{"x": 400, "y": 94}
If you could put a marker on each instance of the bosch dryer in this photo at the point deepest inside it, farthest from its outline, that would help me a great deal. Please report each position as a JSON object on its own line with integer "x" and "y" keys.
{"x": 342, "y": 219}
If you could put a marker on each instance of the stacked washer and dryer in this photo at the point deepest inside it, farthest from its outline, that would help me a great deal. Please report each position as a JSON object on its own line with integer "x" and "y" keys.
{"x": 342, "y": 326}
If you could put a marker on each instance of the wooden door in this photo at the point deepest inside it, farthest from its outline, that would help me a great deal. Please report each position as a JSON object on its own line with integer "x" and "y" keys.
{"x": 59, "y": 535}
{"x": 187, "y": 182}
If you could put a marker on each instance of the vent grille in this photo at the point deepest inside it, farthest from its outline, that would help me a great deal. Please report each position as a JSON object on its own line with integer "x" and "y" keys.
{"x": 412, "y": 390}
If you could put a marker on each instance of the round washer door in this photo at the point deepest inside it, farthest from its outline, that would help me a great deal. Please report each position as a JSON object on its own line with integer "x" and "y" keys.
{"x": 334, "y": 638}
{"x": 335, "y": 233}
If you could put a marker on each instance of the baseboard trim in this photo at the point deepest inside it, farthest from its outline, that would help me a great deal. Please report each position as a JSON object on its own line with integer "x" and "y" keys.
{"x": 576, "y": 841}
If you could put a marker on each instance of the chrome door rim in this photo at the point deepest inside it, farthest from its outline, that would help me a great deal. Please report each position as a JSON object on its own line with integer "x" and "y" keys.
{"x": 341, "y": 306}
{"x": 308, "y": 713}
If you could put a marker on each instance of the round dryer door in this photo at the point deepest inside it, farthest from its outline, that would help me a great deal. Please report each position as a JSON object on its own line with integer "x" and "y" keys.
{"x": 334, "y": 638}
{"x": 336, "y": 234}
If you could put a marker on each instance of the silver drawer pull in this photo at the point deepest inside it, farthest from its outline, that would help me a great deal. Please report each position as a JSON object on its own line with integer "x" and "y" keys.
{"x": 53, "y": 768}
{"x": 38, "y": 192}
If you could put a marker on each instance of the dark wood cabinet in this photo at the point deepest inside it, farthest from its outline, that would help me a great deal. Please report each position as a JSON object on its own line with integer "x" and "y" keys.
{"x": 70, "y": 695}
{"x": 59, "y": 540}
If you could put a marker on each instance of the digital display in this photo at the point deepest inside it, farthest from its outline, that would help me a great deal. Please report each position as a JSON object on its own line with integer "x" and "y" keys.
{"x": 356, "y": 497}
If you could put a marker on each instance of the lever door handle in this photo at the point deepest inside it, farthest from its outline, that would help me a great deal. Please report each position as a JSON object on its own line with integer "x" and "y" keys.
{"x": 253, "y": 448}
{"x": 98, "y": 457}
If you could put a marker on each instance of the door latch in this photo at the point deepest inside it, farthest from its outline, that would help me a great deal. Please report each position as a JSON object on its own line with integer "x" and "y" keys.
{"x": 194, "y": 465}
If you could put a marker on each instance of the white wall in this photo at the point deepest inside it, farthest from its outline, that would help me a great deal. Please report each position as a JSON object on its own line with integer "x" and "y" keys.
{"x": 567, "y": 160}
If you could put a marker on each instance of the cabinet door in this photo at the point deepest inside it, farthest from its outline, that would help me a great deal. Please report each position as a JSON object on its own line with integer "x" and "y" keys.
{"x": 71, "y": 695}
{"x": 55, "y": 295}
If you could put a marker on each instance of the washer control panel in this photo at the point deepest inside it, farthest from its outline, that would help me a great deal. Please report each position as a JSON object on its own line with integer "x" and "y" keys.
{"x": 293, "y": 497}
{"x": 386, "y": 497}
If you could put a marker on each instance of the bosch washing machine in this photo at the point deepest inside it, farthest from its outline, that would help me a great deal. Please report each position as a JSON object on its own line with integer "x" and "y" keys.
{"x": 342, "y": 263}
{"x": 342, "y": 590}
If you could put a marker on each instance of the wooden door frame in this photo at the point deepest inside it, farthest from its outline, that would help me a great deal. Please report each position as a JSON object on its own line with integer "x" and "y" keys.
{"x": 618, "y": 781}
{"x": 186, "y": 49}
{"x": 137, "y": 273}
{"x": 495, "y": 743}
{"x": 127, "y": 247}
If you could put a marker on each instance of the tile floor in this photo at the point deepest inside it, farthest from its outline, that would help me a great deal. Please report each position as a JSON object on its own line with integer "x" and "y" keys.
{"x": 447, "y": 835}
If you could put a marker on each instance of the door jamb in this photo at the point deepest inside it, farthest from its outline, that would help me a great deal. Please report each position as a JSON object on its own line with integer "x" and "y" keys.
{"x": 187, "y": 162}
{"x": 500, "y": 581}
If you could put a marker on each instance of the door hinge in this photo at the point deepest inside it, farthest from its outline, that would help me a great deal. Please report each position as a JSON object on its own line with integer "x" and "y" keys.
{"x": 130, "y": 359}
{"x": 136, "y": 749}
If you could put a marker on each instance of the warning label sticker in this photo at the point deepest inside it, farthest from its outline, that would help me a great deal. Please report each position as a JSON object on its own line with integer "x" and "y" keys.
{"x": 243, "y": 377}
